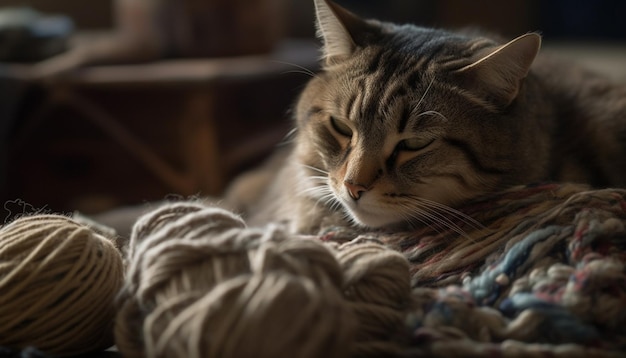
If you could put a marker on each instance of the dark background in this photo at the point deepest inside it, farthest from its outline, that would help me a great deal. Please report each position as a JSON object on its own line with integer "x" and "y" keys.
{"x": 586, "y": 19}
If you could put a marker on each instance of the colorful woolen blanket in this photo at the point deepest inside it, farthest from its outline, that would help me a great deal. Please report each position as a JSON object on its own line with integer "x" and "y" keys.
{"x": 543, "y": 274}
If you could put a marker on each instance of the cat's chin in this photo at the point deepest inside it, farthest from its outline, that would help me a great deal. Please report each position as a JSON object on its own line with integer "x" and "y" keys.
{"x": 375, "y": 219}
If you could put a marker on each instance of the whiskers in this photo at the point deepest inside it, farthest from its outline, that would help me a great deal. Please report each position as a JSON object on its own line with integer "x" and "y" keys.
{"x": 316, "y": 169}
{"x": 417, "y": 210}
{"x": 433, "y": 113}
{"x": 298, "y": 68}
{"x": 317, "y": 186}
{"x": 428, "y": 112}
{"x": 289, "y": 138}
{"x": 414, "y": 210}
{"x": 430, "y": 84}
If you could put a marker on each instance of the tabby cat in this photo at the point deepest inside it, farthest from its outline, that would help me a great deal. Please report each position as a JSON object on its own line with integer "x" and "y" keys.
{"x": 405, "y": 123}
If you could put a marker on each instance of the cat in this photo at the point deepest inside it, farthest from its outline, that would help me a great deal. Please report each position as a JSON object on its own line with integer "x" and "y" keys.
{"x": 403, "y": 124}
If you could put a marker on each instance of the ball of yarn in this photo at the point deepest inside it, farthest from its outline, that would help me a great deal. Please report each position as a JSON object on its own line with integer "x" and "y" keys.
{"x": 377, "y": 287}
{"x": 58, "y": 281}
{"x": 201, "y": 284}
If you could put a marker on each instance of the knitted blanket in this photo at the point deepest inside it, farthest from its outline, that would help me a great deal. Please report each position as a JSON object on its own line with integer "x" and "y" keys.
{"x": 540, "y": 272}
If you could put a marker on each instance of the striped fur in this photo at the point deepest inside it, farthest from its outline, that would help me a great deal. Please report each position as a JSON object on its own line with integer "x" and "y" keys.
{"x": 404, "y": 123}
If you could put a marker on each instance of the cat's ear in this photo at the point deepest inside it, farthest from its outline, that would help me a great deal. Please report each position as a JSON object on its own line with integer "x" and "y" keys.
{"x": 340, "y": 30}
{"x": 498, "y": 73}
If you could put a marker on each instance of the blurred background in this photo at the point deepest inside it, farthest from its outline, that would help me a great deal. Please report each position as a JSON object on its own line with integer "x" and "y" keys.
{"x": 177, "y": 97}
{"x": 555, "y": 18}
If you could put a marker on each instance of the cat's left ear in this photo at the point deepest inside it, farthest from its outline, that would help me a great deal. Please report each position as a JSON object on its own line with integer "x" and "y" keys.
{"x": 498, "y": 73}
{"x": 340, "y": 30}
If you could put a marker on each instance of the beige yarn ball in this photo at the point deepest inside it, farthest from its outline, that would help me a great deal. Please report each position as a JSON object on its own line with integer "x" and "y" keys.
{"x": 58, "y": 282}
{"x": 202, "y": 284}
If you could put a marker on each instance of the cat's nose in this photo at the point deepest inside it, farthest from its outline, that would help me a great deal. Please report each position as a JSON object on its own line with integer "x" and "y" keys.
{"x": 355, "y": 190}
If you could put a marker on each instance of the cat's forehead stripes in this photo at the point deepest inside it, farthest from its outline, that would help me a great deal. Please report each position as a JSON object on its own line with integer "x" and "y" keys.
{"x": 404, "y": 119}
{"x": 354, "y": 109}
{"x": 368, "y": 100}
{"x": 374, "y": 62}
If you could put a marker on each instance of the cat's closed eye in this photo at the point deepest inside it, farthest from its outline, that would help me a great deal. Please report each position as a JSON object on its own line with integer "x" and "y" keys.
{"x": 414, "y": 144}
{"x": 341, "y": 127}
